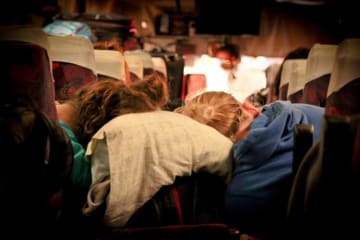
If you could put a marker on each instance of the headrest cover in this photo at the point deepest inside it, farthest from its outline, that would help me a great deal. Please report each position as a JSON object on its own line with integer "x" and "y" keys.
{"x": 159, "y": 64}
{"x": 347, "y": 64}
{"x": 34, "y": 35}
{"x": 72, "y": 49}
{"x": 110, "y": 63}
{"x": 320, "y": 61}
{"x": 292, "y": 70}
{"x": 144, "y": 56}
{"x": 296, "y": 75}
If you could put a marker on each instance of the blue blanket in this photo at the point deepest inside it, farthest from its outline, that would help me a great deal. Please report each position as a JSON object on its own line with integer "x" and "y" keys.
{"x": 256, "y": 198}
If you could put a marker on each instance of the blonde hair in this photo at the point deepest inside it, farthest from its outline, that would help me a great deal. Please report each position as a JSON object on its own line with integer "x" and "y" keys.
{"x": 219, "y": 110}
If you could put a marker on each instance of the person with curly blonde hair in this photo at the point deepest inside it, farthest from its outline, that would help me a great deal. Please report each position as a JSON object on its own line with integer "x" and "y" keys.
{"x": 256, "y": 198}
{"x": 221, "y": 111}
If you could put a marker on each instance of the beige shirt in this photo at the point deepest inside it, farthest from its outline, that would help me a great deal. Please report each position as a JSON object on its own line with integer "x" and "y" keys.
{"x": 142, "y": 152}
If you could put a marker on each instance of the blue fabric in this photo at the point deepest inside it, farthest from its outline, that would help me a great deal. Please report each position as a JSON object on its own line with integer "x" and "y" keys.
{"x": 66, "y": 27}
{"x": 256, "y": 198}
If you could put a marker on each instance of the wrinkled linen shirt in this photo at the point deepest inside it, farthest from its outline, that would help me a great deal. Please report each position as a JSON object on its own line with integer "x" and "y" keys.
{"x": 134, "y": 155}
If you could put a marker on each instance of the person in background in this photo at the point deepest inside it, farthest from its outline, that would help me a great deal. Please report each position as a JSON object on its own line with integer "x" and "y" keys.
{"x": 256, "y": 198}
{"x": 229, "y": 54}
{"x": 242, "y": 81}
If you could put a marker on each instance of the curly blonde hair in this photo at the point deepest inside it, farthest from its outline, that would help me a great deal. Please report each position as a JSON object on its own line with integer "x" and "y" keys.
{"x": 104, "y": 100}
{"x": 217, "y": 109}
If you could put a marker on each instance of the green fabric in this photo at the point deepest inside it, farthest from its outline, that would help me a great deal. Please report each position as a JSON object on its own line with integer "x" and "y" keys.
{"x": 81, "y": 171}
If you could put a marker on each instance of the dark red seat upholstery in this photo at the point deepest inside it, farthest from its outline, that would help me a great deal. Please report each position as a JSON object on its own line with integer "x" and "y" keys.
{"x": 343, "y": 92}
{"x": 318, "y": 71}
{"x": 193, "y": 84}
{"x": 26, "y": 75}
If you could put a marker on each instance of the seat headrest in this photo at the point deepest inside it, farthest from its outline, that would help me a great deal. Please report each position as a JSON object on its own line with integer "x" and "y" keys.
{"x": 293, "y": 72}
{"x": 25, "y": 33}
{"x": 346, "y": 66}
{"x": 110, "y": 63}
{"x": 159, "y": 64}
{"x": 320, "y": 61}
{"x": 73, "y": 49}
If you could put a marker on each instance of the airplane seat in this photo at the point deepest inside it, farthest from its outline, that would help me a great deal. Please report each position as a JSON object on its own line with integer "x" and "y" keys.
{"x": 284, "y": 84}
{"x": 343, "y": 96}
{"x": 295, "y": 71}
{"x": 212, "y": 231}
{"x": 139, "y": 62}
{"x": 190, "y": 208}
{"x": 110, "y": 64}
{"x": 318, "y": 71}
{"x": 26, "y": 68}
{"x": 175, "y": 63}
{"x": 159, "y": 64}
{"x": 73, "y": 63}
{"x": 292, "y": 70}
{"x": 36, "y": 172}
{"x": 192, "y": 85}
{"x": 324, "y": 197}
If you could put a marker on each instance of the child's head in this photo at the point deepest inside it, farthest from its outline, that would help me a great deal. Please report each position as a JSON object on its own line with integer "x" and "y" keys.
{"x": 221, "y": 111}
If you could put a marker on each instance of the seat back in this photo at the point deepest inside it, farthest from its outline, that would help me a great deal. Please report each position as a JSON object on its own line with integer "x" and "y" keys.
{"x": 73, "y": 62}
{"x": 324, "y": 198}
{"x": 343, "y": 92}
{"x": 271, "y": 76}
{"x": 318, "y": 71}
{"x": 110, "y": 64}
{"x": 26, "y": 69}
{"x": 214, "y": 231}
{"x": 175, "y": 63}
{"x": 193, "y": 84}
{"x": 36, "y": 173}
{"x": 139, "y": 61}
{"x": 294, "y": 71}
{"x": 159, "y": 64}
{"x": 303, "y": 140}
{"x": 189, "y": 204}
{"x": 36, "y": 169}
